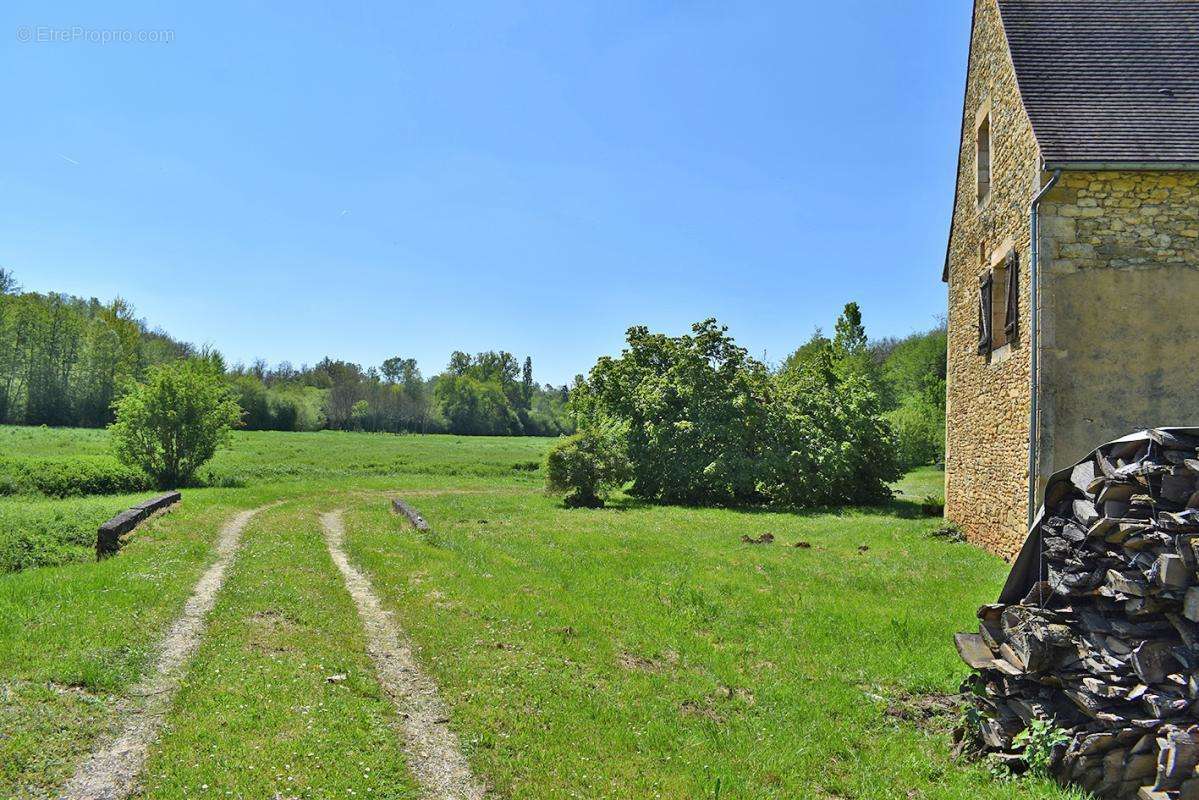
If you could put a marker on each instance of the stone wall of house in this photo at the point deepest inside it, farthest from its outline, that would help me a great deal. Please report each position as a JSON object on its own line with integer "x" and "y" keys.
{"x": 1119, "y": 254}
{"x": 987, "y": 403}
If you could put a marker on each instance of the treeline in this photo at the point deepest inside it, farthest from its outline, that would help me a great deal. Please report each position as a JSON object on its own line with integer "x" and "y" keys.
{"x": 65, "y": 360}
{"x": 484, "y": 394}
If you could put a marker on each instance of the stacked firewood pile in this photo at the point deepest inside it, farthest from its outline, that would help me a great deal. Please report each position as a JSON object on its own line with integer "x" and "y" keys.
{"x": 1096, "y": 632}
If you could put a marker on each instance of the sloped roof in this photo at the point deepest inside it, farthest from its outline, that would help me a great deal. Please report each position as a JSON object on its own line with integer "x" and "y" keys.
{"x": 1108, "y": 81}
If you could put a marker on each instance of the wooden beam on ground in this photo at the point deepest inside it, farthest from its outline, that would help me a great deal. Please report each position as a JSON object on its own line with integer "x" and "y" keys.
{"x": 108, "y": 535}
{"x": 418, "y": 522}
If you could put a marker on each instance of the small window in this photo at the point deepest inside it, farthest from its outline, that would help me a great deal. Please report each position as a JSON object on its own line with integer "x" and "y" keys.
{"x": 999, "y": 305}
{"x": 982, "y": 142}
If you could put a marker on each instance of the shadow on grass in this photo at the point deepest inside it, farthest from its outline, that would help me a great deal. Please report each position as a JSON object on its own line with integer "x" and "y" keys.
{"x": 899, "y": 507}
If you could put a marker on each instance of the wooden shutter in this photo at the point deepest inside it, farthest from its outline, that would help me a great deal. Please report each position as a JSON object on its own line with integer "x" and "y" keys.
{"x": 984, "y": 314}
{"x": 1011, "y": 315}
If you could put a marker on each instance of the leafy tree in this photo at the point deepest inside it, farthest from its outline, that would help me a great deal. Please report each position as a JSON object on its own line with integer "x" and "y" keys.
{"x": 359, "y": 413}
{"x": 401, "y": 370}
{"x": 587, "y": 466}
{"x": 473, "y": 406}
{"x": 831, "y": 443}
{"x": 694, "y": 407}
{"x": 849, "y": 337}
{"x": 810, "y": 350}
{"x": 526, "y": 382}
{"x": 174, "y": 422}
{"x": 708, "y": 424}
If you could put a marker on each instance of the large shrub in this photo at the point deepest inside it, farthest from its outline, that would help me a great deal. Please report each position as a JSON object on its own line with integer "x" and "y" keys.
{"x": 708, "y": 424}
{"x": 829, "y": 441}
{"x": 174, "y": 422}
{"x": 587, "y": 466}
{"x": 694, "y": 408}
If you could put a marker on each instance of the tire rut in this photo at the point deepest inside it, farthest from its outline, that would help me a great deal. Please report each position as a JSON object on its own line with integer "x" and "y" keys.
{"x": 433, "y": 751}
{"x": 111, "y": 771}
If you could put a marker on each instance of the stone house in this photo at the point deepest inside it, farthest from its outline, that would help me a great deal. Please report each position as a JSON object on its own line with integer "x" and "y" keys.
{"x": 1073, "y": 255}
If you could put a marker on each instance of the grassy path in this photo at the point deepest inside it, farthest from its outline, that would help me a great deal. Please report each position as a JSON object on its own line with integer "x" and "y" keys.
{"x": 111, "y": 771}
{"x": 634, "y": 651}
{"x": 75, "y": 639}
{"x": 434, "y": 754}
{"x": 282, "y": 699}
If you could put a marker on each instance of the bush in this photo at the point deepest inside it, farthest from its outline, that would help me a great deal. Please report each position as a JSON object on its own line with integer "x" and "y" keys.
{"x": 830, "y": 444}
{"x": 586, "y": 466}
{"x": 707, "y": 424}
{"x": 69, "y": 477}
{"x": 175, "y": 421}
{"x": 695, "y": 411}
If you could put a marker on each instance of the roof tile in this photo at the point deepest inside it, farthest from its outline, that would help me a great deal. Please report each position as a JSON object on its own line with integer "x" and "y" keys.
{"x": 1108, "y": 80}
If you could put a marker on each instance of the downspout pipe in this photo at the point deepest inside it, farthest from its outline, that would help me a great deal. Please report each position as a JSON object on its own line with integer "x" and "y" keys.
{"x": 1034, "y": 280}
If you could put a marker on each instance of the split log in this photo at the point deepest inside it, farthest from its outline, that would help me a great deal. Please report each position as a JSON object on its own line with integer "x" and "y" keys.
{"x": 1098, "y": 630}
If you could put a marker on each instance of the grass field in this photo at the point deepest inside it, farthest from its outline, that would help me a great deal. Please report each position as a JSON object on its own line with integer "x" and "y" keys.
{"x": 633, "y": 651}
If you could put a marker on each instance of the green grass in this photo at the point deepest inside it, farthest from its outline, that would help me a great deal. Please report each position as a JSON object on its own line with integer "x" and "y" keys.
{"x": 35, "y": 531}
{"x": 74, "y": 638}
{"x": 634, "y": 651}
{"x": 272, "y": 456}
{"x": 919, "y": 483}
{"x": 256, "y": 700}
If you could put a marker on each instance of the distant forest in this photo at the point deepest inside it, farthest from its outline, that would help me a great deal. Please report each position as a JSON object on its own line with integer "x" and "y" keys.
{"x": 64, "y": 359}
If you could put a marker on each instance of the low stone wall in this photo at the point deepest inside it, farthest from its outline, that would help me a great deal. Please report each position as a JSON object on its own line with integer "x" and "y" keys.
{"x": 108, "y": 536}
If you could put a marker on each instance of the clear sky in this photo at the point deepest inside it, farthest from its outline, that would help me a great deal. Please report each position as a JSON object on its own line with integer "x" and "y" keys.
{"x": 295, "y": 180}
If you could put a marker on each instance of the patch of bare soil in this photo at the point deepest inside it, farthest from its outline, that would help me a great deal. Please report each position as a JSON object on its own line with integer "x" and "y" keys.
{"x": 110, "y": 771}
{"x": 434, "y": 753}
{"x": 719, "y": 703}
{"x": 931, "y": 711}
{"x": 638, "y": 663}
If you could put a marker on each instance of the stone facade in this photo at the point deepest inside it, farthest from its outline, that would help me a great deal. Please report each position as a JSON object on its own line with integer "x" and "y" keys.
{"x": 987, "y": 406}
{"x": 1119, "y": 255}
{"x": 1119, "y": 277}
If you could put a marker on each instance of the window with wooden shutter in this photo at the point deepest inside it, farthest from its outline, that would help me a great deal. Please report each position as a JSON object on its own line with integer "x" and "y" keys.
{"x": 984, "y": 314}
{"x": 1011, "y": 315}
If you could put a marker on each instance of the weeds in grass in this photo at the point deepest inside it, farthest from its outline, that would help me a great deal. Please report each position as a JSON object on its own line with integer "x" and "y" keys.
{"x": 1042, "y": 742}
{"x": 950, "y": 533}
{"x": 932, "y": 505}
{"x": 73, "y": 476}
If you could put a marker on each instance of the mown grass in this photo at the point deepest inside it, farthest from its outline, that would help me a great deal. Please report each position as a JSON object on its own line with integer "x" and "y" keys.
{"x": 648, "y": 652}
{"x": 919, "y": 483}
{"x": 633, "y": 651}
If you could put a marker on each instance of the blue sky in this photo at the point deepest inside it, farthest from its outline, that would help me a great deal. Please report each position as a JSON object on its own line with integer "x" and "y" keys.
{"x": 293, "y": 180}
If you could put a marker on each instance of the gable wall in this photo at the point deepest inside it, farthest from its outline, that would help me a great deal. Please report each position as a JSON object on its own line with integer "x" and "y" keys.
{"x": 987, "y": 403}
{"x": 1119, "y": 309}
